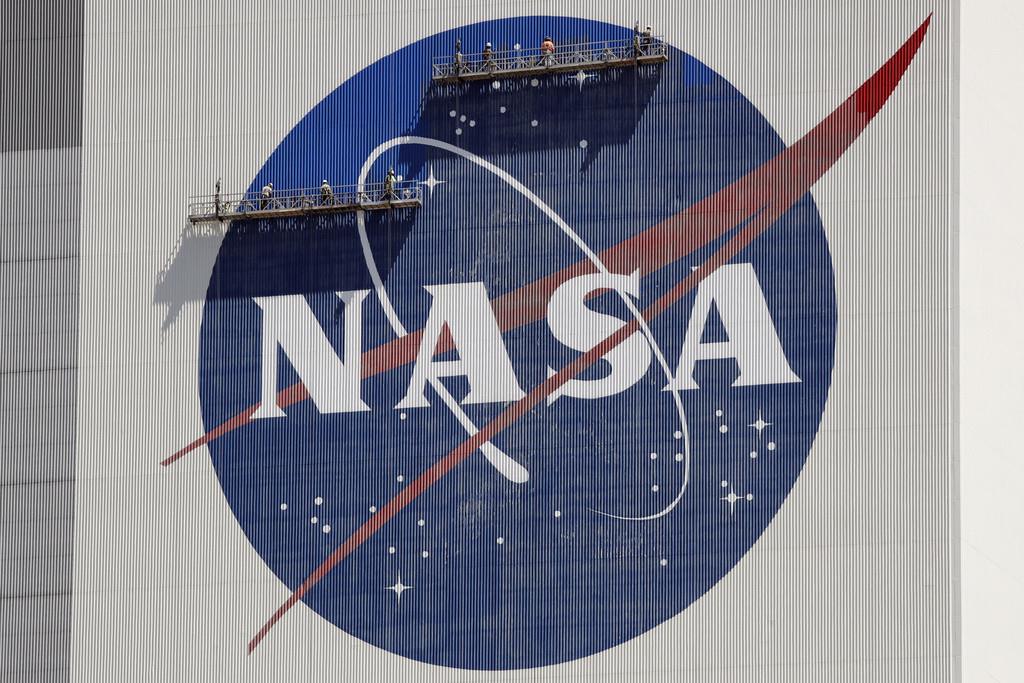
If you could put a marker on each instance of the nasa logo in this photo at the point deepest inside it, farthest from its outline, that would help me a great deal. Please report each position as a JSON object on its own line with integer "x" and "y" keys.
{"x": 551, "y": 408}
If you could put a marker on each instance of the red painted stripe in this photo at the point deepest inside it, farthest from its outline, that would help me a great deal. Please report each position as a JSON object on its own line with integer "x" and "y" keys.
{"x": 781, "y": 183}
{"x": 798, "y": 166}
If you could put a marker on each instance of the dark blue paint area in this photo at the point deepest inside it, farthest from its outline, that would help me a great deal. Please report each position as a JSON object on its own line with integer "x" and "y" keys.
{"x": 565, "y": 581}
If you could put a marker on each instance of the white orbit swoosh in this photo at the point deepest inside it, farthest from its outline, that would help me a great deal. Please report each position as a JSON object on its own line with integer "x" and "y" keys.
{"x": 504, "y": 464}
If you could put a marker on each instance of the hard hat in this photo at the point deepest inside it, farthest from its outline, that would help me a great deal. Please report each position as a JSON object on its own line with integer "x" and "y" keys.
{"x": 324, "y": 182}
{"x": 487, "y": 45}
{"x": 547, "y": 38}
{"x": 648, "y": 28}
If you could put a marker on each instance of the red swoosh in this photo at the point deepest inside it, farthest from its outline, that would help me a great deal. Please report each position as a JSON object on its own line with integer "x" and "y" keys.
{"x": 678, "y": 236}
{"x": 765, "y": 194}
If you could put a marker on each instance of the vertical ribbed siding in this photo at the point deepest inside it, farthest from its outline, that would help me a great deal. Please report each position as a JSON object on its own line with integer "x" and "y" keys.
{"x": 853, "y": 579}
{"x": 40, "y": 165}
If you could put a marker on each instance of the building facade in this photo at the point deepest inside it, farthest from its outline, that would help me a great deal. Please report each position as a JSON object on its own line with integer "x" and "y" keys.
{"x": 495, "y": 342}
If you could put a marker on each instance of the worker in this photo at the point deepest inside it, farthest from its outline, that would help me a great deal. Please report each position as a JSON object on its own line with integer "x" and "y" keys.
{"x": 458, "y": 59}
{"x": 265, "y": 194}
{"x": 326, "y": 192}
{"x": 389, "y": 185}
{"x": 547, "y": 49}
{"x": 216, "y": 198}
{"x": 646, "y": 37}
{"x": 488, "y": 56}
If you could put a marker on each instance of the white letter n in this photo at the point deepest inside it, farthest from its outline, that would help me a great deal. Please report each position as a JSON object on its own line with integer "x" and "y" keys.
{"x": 289, "y": 324}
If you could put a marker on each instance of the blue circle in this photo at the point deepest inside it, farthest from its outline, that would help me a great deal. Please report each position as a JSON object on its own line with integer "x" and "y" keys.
{"x": 612, "y": 153}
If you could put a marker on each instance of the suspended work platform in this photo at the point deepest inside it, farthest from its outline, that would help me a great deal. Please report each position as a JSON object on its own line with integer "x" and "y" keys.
{"x": 603, "y": 54}
{"x": 305, "y": 202}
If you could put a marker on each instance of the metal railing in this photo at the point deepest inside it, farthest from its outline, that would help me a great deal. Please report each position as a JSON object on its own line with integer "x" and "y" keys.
{"x": 305, "y": 201}
{"x": 592, "y": 55}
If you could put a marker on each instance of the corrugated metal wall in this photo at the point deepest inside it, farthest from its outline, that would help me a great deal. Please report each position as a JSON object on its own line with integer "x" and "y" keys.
{"x": 854, "y": 580}
{"x": 40, "y": 165}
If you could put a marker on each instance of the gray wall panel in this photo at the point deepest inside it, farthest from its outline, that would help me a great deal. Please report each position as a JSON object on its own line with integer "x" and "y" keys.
{"x": 33, "y": 639}
{"x": 41, "y": 303}
{"x": 41, "y": 103}
{"x": 41, "y": 95}
{"x": 40, "y": 194}
{"x": 38, "y": 434}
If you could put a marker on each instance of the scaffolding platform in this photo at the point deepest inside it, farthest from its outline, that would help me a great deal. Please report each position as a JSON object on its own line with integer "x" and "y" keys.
{"x": 305, "y": 202}
{"x": 604, "y": 54}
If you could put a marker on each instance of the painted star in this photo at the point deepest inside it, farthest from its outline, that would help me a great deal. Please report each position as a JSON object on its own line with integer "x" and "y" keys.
{"x": 431, "y": 182}
{"x": 581, "y": 78}
{"x": 398, "y": 588}
{"x": 732, "y": 499}
{"x": 760, "y": 424}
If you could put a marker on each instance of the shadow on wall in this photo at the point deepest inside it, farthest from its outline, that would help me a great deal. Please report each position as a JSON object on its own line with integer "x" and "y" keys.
{"x": 303, "y": 255}
{"x": 244, "y": 259}
{"x": 180, "y": 279}
{"x": 489, "y": 121}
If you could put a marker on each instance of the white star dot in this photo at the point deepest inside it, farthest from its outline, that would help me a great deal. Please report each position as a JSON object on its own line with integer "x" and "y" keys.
{"x": 503, "y": 110}
{"x": 718, "y": 413}
{"x": 472, "y": 123}
{"x": 723, "y": 429}
{"x": 679, "y": 457}
{"x": 421, "y": 522}
{"x": 402, "y": 416}
{"x": 534, "y": 123}
{"x": 313, "y": 520}
{"x": 425, "y": 554}
{"x": 654, "y": 456}
{"x": 398, "y": 588}
{"x": 581, "y": 78}
{"x": 496, "y": 85}
{"x": 753, "y": 455}
{"x": 558, "y": 513}
{"x": 318, "y": 501}
{"x": 458, "y": 131}
{"x": 759, "y": 424}
{"x": 453, "y": 113}
{"x": 373, "y": 508}
{"x": 327, "y": 528}
{"x": 400, "y": 478}
{"x": 534, "y": 82}
{"x": 431, "y": 182}
{"x": 654, "y": 488}
{"x": 583, "y": 144}
{"x": 462, "y": 118}
{"x": 284, "y": 506}
{"x": 501, "y": 541}
{"x": 664, "y": 563}
{"x": 732, "y": 498}
{"x": 677, "y": 434}
{"x": 771, "y": 445}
